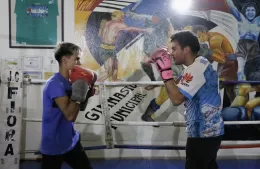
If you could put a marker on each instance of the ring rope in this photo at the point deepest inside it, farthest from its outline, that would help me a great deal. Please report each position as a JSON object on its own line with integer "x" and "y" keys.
{"x": 240, "y": 82}
{"x": 158, "y": 147}
{"x": 140, "y": 83}
{"x": 134, "y": 123}
{"x": 157, "y": 83}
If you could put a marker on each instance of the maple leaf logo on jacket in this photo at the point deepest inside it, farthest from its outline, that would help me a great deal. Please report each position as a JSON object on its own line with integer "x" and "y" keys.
{"x": 187, "y": 78}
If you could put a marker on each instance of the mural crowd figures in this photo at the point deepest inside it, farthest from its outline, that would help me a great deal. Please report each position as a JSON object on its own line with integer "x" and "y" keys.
{"x": 248, "y": 20}
{"x": 121, "y": 36}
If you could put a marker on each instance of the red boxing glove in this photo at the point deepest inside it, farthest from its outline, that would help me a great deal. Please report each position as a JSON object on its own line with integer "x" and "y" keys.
{"x": 78, "y": 72}
{"x": 163, "y": 61}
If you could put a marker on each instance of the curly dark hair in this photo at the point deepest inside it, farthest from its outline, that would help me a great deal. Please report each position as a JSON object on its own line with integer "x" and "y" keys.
{"x": 187, "y": 38}
{"x": 65, "y": 49}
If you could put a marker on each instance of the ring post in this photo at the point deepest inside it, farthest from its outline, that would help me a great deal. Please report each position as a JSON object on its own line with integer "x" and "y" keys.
{"x": 105, "y": 111}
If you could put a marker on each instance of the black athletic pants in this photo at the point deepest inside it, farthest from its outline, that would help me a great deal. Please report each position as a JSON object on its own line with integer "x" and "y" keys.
{"x": 76, "y": 159}
{"x": 201, "y": 153}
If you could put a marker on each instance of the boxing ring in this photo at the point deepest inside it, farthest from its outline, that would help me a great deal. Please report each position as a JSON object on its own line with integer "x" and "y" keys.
{"x": 107, "y": 123}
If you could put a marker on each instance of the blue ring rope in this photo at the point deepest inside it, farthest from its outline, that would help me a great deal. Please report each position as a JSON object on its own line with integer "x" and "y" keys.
{"x": 126, "y": 146}
{"x": 161, "y": 147}
{"x": 151, "y": 147}
{"x": 239, "y": 82}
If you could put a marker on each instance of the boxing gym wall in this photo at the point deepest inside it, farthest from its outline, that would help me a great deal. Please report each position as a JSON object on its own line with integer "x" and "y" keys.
{"x": 133, "y": 93}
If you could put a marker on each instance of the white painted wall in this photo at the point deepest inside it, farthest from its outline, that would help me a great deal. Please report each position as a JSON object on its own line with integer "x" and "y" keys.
{"x": 31, "y": 131}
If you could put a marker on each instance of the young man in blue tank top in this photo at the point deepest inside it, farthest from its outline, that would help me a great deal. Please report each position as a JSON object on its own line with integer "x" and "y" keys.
{"x": 61, "y": 104}
{"x": 197, "y": 88}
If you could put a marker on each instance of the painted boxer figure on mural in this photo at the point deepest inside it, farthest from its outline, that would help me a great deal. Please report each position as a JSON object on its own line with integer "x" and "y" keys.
{"x": 162, "y": 30}
{"x": 248, "y": 49}
{"x": 109, "y": 32}
{"x": 221, "y": 52}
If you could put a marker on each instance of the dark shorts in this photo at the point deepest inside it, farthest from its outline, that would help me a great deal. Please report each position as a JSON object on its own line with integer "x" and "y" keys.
{"x": 201, "y": 153}
{"x": 248, "y": 49}
{"x": 104, "y": 54}
{"x": 252, "y": 69}
{"x": 76, "y": 159}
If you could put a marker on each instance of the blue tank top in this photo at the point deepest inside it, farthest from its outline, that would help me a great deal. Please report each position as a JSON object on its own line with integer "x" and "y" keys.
{"x": 58, "y": 134}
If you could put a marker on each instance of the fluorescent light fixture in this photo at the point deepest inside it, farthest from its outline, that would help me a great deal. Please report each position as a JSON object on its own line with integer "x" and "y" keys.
{"x": 181, "y": 6}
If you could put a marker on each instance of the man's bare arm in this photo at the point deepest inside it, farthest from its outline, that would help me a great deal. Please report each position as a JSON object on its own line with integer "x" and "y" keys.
{"x": 134, "y": 29}
{"x": 69, "y": 108}
{"x": 101, "y": 27}
{"x": 174, "y": 94}
{"x": 177, "y": 81}
{"x": 170, "y": 29}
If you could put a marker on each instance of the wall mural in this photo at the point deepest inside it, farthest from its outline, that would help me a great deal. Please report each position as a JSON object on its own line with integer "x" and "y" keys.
{"x": 119, "y": 36}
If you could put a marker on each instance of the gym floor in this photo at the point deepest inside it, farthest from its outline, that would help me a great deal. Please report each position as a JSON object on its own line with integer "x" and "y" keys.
{"x": 151, "y": 164}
